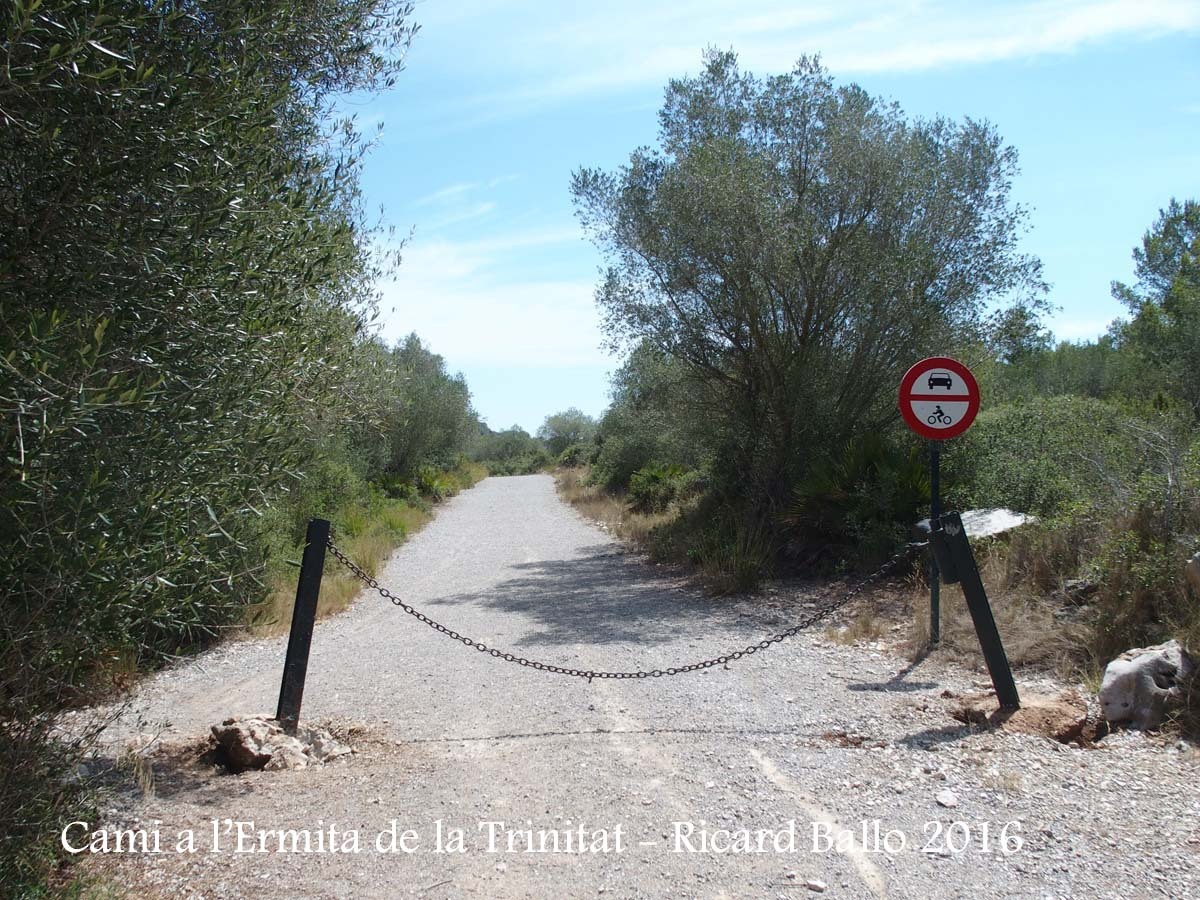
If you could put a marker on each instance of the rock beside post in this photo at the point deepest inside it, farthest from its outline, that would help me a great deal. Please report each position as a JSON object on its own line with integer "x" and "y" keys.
{"x": 259, "y": 742}
{"x": 1141, "y": 684}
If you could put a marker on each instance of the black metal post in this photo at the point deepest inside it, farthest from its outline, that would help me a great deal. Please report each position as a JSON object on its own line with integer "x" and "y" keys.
{"x": 949, "y": 541}
{"x": 935, "y": 511}
{"x": 304, "y": 615}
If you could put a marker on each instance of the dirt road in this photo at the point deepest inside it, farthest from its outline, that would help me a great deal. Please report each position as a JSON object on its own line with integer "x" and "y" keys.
{"x": 738, "y": 782}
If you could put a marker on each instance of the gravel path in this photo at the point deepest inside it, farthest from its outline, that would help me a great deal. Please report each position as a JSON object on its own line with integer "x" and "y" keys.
{"x": 828, "y": 737}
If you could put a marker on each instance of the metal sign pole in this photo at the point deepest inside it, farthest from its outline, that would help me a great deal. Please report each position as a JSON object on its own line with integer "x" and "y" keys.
{"x": 935, "y": 512}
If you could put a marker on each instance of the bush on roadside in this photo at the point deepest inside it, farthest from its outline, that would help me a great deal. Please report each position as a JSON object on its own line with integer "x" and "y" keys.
{"x": 1123, "y": 543}
{"x": 864, "y": 500}
{"x": 528, "y": 463}
{"x": 1046, "y": 455}
{"x": 652, "y": 488}
{"x": 578, "y": 455}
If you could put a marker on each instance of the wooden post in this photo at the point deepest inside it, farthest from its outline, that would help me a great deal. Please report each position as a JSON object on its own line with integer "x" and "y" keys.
{"x": 304, "y": 615}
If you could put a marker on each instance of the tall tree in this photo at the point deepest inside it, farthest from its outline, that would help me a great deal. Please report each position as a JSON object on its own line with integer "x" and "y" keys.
{"x": 562, "y": 429}
{"x": 184, "y": 273}
{"x": 1165, "y": 302}
{"x": 430, "y": 419}
{"x": 795, "y": 245}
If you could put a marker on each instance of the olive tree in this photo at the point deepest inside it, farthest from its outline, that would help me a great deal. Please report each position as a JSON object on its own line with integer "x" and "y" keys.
{"x": 562, "y": 429}
{"x": 184, "y": 276}
{"x": 795, "y": 245}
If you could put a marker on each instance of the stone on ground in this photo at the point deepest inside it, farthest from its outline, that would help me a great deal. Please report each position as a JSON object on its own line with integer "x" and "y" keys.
{"x": 259, "y": 742}
{"x": 1140, "y": 684}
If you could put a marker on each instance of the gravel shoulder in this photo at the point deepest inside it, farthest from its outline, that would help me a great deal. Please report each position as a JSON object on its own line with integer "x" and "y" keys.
{"x": 829, "y": 738}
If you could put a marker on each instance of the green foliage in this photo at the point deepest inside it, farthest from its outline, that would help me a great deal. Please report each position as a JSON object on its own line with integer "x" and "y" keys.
{"x": 1165, "y": 330}
{"x": 537, "y": 460}
{"x": 563, "y": 429}
{"x": 510, "y": 452}
{"x": 185, "y": 279}
{"x": 578, "y": 455}
{"x": 654, "y": 419}
{"x": 866, "y": 498}
{"x": 623, "y": 451}
{"x": 791, "y": 247}
{"x": 427, "y": 415}
{"x": 651, "y": 489}
{"x": 732, "y": 557}
{"x": 1054, "y": 453}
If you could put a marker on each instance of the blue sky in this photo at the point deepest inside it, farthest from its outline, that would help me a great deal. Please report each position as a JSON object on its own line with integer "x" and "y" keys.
{"x": 501, "y": 101}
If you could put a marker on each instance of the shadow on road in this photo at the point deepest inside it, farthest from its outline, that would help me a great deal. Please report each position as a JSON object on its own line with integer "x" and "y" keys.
{"x": 897, "y": 683}
{"x": 605, "y": 597}
{"x": 932, "y": 737}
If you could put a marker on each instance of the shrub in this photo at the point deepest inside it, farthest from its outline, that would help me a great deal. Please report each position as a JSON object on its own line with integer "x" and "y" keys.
{"x": 1046, "y": 455}
{"x": 526, "y": 464}
{"x": 653, "y": 488}
{"x": 864, "y": 500}
{"x": 578, "y": 455}
{"x": 733, "y": 557}
{"x": 185, "y": 267}
{"x": 619, "y": 456}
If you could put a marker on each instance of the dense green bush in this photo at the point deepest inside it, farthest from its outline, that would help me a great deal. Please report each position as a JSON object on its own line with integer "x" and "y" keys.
{"x": 565, "y": 429}
{"x": 510, "y": 452}
{"x": 865, "y": 498}
{"x": 651, "y": 489}
{"x": 524, "y": 464}
{"x": 1048, "y": 454}
{"x": 578, "y": 455}
{"x": 187, "y": 277}
{"x": 620, "y": 455}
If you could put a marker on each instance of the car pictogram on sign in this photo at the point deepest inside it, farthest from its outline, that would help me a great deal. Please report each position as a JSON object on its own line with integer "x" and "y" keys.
{"x": 940, "y": 379}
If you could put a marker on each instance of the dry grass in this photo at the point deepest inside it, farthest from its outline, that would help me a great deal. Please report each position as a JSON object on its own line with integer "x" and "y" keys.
{"x": 609, "y": 510}
{"x": 1006, "y": 781}
{"x": 866, "y": 626}
{"x": 1031, "y": 633}
{"x": 368, "y": 535}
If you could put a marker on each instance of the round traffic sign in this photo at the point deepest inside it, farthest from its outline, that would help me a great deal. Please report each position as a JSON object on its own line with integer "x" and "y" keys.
{"x": 939, "y": 398}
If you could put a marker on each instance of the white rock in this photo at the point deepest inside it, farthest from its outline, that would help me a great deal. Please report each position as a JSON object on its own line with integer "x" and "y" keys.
{"x": 259, "y": 742}
{"x": 947, "y": 799}
{"x": 816, "y": 885}
{"x": 1139, "y": 683}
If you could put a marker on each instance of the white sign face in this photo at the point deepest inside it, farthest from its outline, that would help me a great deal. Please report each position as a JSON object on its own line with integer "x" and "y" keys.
{"x": 948, "y": 398}
{"x": 939, "y": 398}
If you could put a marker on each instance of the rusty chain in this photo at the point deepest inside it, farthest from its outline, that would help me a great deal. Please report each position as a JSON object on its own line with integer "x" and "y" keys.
{"x": 589, "y": 674}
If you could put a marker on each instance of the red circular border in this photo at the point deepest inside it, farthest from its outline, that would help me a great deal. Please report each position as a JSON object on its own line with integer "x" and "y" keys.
{"x": 911, "y": 418}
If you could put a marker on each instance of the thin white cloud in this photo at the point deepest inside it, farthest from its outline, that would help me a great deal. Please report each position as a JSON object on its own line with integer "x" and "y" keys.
{"x": 452, "y": 193}
{"x": 460, "y": 214}
{"x": 449, "y": 192}
{"x": 569, "y": 50}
